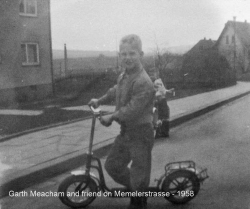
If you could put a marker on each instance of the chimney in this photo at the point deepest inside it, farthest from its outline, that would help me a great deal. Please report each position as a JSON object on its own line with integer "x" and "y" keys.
{"x": 234, "y": 18}
{"x": 245, "y": 21}
{"x": 204, "y": 38}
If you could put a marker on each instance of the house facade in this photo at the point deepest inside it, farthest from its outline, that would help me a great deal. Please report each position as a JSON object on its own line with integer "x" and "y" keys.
{"x": 25, "y": 50}
{"x": 234, "y": 44}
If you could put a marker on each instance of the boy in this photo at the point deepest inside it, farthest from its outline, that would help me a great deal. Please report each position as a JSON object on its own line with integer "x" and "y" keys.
{"x": 134, "y": 95}
{"x": 162, "y": 129}
{"x": 162, "y": 111}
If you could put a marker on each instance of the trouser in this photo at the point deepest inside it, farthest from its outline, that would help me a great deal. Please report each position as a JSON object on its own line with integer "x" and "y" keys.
{"x": 163, "y": 117}
{"x": 163, "y": 128}
{"x": 163, "y": 110}
{"x": 132, "y": 145}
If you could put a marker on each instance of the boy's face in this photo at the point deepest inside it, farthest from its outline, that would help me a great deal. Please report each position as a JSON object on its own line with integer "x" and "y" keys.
{"x": 157, "y": 84}
{"x": 153, "y": 76}
{"x": 130, "y": 56}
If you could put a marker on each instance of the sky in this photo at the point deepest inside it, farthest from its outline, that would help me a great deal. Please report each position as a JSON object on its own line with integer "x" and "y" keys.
{"x": 100, "y": 24}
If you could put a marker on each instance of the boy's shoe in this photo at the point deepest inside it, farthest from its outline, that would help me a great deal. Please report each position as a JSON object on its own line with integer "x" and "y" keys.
{"x": 161, "y": 135}
{"x": 166, "y": 135}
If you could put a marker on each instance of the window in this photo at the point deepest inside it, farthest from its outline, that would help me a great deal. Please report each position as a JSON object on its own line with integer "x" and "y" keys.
{"x": 227, "y": 40}
{"x": 233, "y": 39}
{"x": 30, "y": 54}
{"x": 28, "y": 8}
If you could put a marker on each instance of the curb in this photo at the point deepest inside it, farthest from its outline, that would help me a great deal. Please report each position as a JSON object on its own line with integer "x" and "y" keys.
{"x": 207, "y": 109}
{"x": 49, "y": 171}
{"x": 77, "y": 159}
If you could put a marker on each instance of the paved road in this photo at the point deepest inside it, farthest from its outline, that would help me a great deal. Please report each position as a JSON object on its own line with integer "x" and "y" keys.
{"x": 218, "y": 140}
{"x": 31, "y": 158}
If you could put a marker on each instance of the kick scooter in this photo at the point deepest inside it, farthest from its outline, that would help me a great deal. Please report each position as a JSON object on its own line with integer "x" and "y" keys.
{"x": 179, "y": 184}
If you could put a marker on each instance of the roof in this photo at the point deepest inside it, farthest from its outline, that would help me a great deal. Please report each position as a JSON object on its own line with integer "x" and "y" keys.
{"x": 204, "y": 43}
{"x": 242, "y": 32}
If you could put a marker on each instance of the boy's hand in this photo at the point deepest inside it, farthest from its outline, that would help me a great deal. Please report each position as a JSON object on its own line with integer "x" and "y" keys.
{"x": 106, "y": 120}
{"x": 159, "y": 122}
{"x": 173, "y": 91}
{"x": 94, "y": 103}
{"x": 170, "y": 91}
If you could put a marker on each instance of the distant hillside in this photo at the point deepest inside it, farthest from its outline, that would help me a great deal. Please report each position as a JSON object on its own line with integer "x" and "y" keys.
{"x": 179, "y": 49}
{"x": 59, "y": 54}
{"x": 173, "y": 49}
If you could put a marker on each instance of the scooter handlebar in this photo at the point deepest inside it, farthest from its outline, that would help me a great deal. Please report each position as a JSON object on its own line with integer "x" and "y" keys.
{"x": 95, "y": 111}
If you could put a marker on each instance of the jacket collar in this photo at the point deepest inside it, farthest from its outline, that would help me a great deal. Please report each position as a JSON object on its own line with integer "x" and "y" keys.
{"x": 133, "y": 74}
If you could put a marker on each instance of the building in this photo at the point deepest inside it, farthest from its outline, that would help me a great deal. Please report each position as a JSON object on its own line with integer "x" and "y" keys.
{"x": 26, "y": 52}
{"x": 234, "y": 44}
{"x": 201, "y": 46}
{"x": 204, "y": 66}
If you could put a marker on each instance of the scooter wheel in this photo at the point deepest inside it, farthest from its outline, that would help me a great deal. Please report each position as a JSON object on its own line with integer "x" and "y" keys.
{"x": 77, "y": 191}
{"x": 181, "y": 186}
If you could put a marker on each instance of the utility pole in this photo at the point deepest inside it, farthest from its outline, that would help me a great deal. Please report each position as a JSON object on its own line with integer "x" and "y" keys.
{"x": 61, "y": 71}
{"x": 51, "y": 54}
{"x": 65, "y": 60}
{"x": 117, "y": 55}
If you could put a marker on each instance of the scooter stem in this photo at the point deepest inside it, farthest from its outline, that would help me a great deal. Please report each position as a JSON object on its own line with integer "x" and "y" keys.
{"x": 92, "y": 134}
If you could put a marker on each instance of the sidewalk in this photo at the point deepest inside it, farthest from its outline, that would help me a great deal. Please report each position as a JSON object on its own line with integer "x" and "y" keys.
{"x": 29, "y": 159}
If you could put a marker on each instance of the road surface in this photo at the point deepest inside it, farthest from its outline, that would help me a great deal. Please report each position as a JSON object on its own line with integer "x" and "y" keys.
{"x": 219, "y": 141}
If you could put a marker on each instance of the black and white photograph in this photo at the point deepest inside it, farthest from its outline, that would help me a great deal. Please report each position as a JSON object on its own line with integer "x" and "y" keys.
{"x": 125, "y": 104}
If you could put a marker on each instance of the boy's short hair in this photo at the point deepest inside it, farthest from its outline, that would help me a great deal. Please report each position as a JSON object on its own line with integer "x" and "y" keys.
{"x": 133, "y": 40}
